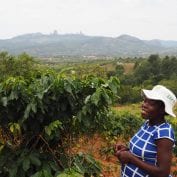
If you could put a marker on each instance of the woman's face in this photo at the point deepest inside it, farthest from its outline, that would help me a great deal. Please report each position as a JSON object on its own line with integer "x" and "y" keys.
{"x": 152, "y": 109}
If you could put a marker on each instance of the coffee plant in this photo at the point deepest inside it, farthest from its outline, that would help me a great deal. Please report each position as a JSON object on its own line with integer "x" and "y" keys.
{"x": 40, "y": 118}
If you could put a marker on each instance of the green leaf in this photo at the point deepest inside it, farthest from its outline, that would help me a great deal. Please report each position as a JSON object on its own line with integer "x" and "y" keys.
{"x": 114, "y": 84}
{"x": 32, "y": 106}
{"x": 26, "y": 164}
{"x": 13, "y": 172}
{"x": 13, "y": 96}
{"x": 67, "y": 87}
{"x": 52, "y": 127}
{"x": 53, "y": 166}
{"x": 70, "y": 173}
{"x": 46, "y": 174}
{"x": 95, "y": 98}
{"x": 35, "y": 160}
{"x": 4, "y": 101}
{"x": 87, "y": 99}
{"x": 79, "y": 167}
{"x": 15, "y": 128}
{"x": 106, "y": 97}
{"x": 37, "y": 174}
{"x": 40, "y": 95}
{"x": 42, "y": 173}
{"x": 1, "y": 147}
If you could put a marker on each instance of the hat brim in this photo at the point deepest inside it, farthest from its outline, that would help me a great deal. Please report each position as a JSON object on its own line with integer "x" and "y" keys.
{"x": 154, "y": 96}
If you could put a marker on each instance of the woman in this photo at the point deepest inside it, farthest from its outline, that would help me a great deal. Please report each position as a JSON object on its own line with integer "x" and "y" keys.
{"x": 150, "y": 149}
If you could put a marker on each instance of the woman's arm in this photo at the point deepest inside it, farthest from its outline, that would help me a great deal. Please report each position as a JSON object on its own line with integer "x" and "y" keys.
{"x": 164, "y": 157}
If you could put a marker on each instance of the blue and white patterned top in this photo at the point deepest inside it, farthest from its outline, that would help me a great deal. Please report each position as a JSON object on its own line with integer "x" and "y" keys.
{"x": 143, "y": 146}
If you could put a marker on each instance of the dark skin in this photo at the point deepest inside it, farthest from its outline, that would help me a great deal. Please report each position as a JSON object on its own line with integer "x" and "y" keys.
{"x": 155, "y": 112}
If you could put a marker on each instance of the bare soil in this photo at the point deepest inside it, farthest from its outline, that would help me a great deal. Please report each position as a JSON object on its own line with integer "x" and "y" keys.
{"x": 111, "y": 167}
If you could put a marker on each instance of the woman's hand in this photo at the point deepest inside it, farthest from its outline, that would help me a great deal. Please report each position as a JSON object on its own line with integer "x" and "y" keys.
{"x": 124, "y": 156}
{"x": 120, "y": 147}
{"x": 122, "y": 153}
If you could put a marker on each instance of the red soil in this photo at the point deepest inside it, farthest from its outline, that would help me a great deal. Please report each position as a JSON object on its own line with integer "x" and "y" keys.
{"x": 111, "y": 167}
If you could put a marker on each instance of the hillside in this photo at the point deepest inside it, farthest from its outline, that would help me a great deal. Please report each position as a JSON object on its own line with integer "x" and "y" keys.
{"x": 41, "y": 45}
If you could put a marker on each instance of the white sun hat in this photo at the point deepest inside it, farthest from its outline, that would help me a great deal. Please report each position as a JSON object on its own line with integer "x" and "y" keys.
{"x": 161, "y": 93}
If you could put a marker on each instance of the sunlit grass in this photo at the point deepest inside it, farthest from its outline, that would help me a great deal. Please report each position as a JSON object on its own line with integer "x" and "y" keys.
{"x": 134, "y": 109}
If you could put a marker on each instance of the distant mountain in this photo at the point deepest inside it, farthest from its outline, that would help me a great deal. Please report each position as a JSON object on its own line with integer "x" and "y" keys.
{"x": 38, "y": 44}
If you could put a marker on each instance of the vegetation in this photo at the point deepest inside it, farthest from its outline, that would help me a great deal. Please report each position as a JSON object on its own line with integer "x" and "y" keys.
{"x": 45, "y": 108}
{"x": 146, "y": 74}
{"x": 52, "y": 110}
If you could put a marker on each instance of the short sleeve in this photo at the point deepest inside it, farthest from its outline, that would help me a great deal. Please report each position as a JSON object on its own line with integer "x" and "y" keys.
{"x": 165, "y": 131}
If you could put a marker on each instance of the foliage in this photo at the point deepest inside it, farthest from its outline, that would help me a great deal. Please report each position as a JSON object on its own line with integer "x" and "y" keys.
{"x": 70, "y": 173}
{"x": 119, "y": 70}
{"x": 174, "y": 125}
{"x": 130, "y": 94}
{"x": 22, "y": 65}
{"x": 39, "y": 117}
{"x": 147, "y": 73}
{"x": 43, "y": 112}
{"x": 86, "y": 164}
{"x": 155, "y": 69}
{"x": 121, "y": 124}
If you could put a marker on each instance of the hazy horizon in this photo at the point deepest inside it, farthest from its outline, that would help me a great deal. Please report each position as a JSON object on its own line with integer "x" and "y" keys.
{"x": 144, "y": 19}
{"x": 50, "y": 33}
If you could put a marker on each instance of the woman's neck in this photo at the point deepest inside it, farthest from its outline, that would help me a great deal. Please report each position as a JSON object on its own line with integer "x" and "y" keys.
{"x": 156, "y": 121}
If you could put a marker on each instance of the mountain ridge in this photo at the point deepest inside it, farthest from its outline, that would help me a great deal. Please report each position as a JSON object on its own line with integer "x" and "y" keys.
{"x": 48, "y": 45}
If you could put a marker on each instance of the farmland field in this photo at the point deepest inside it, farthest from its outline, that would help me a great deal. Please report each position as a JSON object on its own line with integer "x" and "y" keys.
{"x": 64, "y": 117}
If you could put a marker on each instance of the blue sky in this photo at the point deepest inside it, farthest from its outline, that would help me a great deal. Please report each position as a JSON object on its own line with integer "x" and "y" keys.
{"x": 145, "y": 19}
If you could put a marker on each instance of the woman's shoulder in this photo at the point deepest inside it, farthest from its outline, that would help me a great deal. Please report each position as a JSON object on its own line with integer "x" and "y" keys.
{"x": 165, "y": 125}
{"x": 164, "y": 130}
